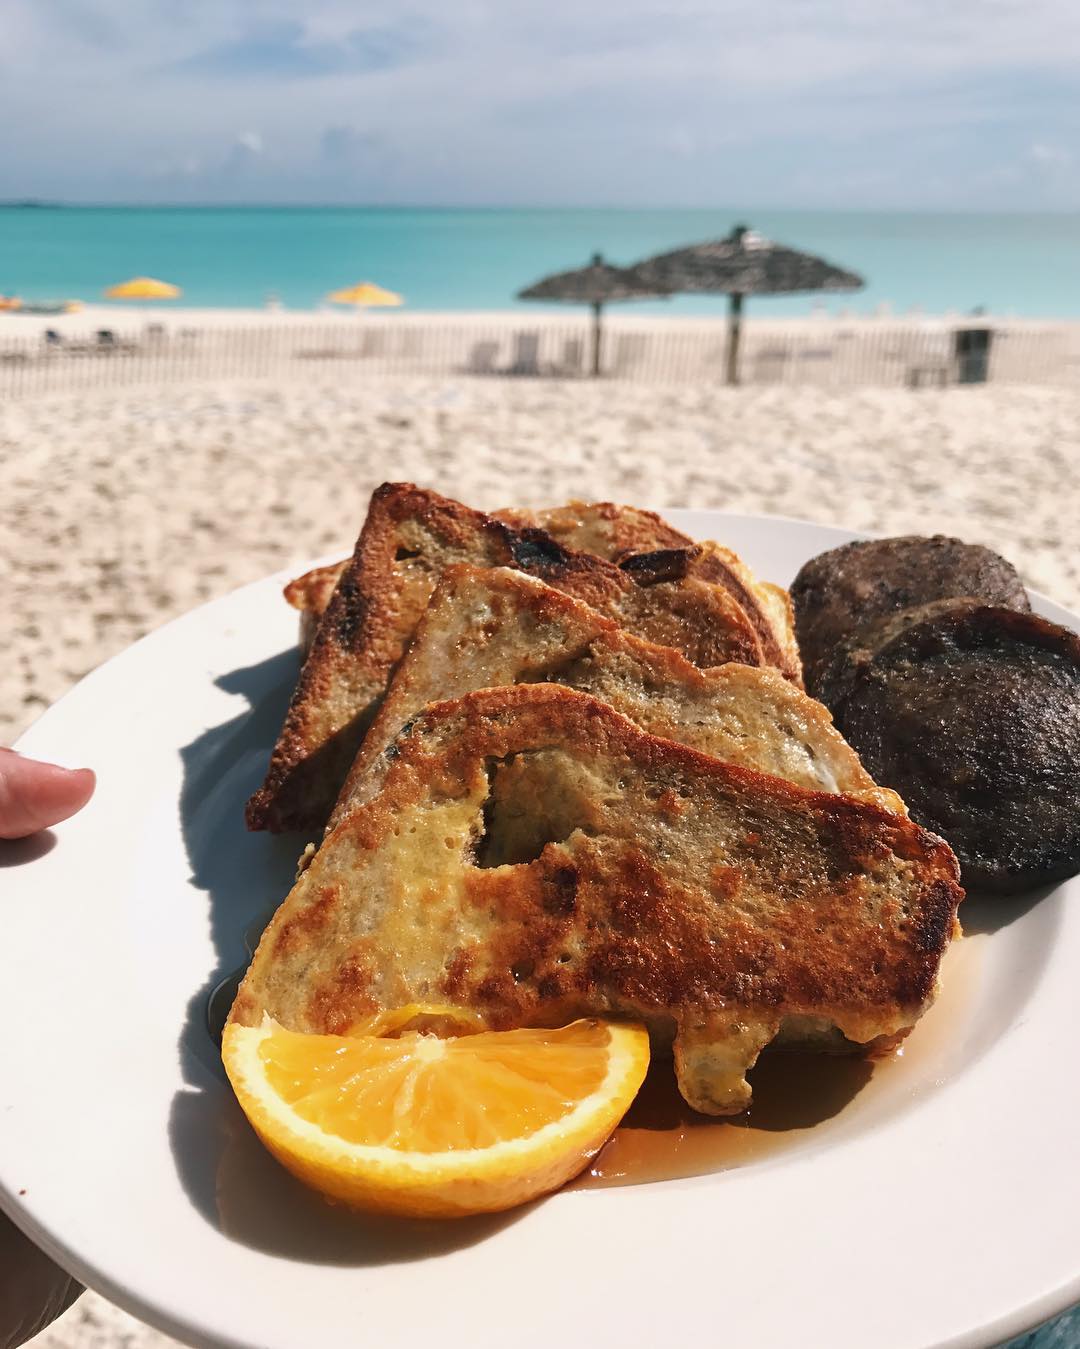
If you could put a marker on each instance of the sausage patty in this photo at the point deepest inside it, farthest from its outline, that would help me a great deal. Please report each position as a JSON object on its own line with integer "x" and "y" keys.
{"x": 839, "y": 591}
{"x": 850, "y": 656}
{"x": 973, "y": 716}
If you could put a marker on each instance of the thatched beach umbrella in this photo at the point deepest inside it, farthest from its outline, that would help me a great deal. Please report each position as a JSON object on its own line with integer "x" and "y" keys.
{"x": 597, "y": 284}
{"x": 744, "y": 263}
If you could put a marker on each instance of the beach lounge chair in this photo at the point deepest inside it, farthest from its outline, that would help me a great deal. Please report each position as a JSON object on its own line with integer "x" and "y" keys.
{"x": 931, "y": 361}
{"x": 373, "y": 344}
{"x": 769, "y": 364}
{"x": 573, "y": 351}
{"x": 482, "y": 358}
{"x": 526, "y": 355}
{"x": 930, "y": 372}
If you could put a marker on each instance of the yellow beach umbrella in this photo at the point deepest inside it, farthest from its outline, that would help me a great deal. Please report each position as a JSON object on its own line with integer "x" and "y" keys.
{"x": 143, "y": 288}
{"x": 365, "y": 295}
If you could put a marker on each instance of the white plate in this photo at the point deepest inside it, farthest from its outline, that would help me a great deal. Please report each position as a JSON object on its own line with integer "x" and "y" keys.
{"x": 937, "y": 1208}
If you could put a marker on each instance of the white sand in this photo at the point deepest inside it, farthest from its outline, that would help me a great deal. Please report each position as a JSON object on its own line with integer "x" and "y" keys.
{"x": 126, "y": 508}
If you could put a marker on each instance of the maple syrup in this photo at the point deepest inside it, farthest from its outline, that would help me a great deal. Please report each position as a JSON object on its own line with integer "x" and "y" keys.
{"x": 798, "y": 1098}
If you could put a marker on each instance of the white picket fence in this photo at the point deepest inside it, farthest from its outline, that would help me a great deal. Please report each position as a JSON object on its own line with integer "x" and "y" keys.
{"x": 830, "y": 354}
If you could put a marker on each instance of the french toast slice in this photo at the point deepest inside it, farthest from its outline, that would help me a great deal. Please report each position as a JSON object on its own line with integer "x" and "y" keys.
{"x": 311, "y": 595}
{"x": 600, "y": 527}
{"x": 409, "y": 537}
{"x": 487, "y": 627}
{"x": 614, "y": 533}
{"x": 531, "y": 854}
{"x": 768, "y": 606}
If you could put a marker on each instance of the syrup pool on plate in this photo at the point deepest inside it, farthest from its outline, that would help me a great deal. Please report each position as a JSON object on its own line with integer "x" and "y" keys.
{"x": 797, "y": 1097}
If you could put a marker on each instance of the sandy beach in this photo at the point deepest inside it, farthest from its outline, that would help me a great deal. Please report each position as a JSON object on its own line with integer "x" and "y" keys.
{"x": 125, "y": 507}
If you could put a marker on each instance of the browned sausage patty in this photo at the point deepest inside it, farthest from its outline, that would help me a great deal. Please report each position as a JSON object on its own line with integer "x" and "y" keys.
{"x": 973, "y": 716}
{"x": 838, "y": 591}
{"x": 850, "y": 656}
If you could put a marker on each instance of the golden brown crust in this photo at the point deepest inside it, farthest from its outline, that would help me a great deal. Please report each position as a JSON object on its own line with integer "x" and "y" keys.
{"x": 487, "y": 627}
{"x": 598, "y": 527}
{"x": 408, "y": 539}
{"x": 662, "y": 600}
{"x": 767, "y": 606}
{"x": 311, "y": 593}
{"x": 601, "y": 527}
{"x": 381, "y": 593}
{"x": 617, "y": 532}
{"x": 532, "y": 854}
{"x": 776, "y": 602}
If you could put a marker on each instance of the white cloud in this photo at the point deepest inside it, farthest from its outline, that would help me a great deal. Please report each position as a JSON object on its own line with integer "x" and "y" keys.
{"x": 638, "y": 101}
{"x": 240, "y": 158}
{"x": 1050, "y": 156}
{"x": 250, "y": 142}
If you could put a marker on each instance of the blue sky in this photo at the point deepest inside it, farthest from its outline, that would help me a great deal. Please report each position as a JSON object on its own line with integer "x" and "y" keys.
{"x": 935, "y": 104}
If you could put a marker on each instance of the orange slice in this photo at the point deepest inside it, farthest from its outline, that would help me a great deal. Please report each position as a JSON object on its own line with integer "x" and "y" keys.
{"x": 432, "y": 1127}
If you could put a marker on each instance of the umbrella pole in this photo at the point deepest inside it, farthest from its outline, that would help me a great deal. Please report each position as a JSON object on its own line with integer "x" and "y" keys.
{"x": 597, "y": 307}
{"x": 734, "y": 331}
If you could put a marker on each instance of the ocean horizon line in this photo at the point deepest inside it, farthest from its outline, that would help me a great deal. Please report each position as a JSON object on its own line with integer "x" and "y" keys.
{"x": 950, "y": 212}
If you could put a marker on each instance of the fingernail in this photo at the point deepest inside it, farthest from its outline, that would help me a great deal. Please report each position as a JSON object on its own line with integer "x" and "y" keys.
{"x": 59, "y": 763}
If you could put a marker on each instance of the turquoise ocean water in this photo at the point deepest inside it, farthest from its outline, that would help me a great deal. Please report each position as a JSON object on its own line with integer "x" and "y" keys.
{"x": 1022, "y": 264}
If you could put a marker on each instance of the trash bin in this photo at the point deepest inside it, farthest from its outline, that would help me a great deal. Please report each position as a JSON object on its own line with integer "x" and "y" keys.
{"x": 972, "y": 347}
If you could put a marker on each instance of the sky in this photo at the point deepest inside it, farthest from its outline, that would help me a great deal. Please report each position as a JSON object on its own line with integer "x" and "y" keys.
{"x": 875, "y": 104}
